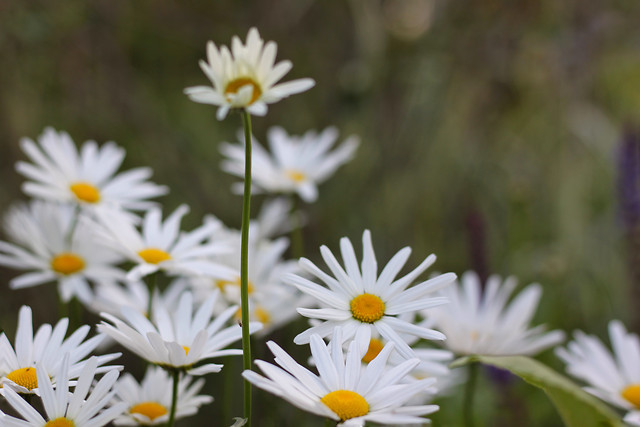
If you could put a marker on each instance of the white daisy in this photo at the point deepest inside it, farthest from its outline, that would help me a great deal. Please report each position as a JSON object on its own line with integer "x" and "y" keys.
{"x": 295, "y": 164}
{"x": 63, "y": 408}
{"x": 360, "y": 302}
{"x": 245, "y": 77}
{"x": 86, "y": 178}
{"x": 481, "y": 322}
{"x": 343, "y": 390}
{"x": 42, "y": 246}
{"x": 149, "y": 402}
{"x": 612, "y": 376}
{"x": 161, "y": 245}
{"x": 177, "y": 338}
{"x": 18, "y": 367}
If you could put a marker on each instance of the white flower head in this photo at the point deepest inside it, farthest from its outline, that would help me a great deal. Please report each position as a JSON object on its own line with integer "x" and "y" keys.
{"x": 295, "y": 165}
{"x": 87, "y": 178}
{"x": 64, "y": 408}
{"x": 19, "y": 367}
{"x": 358, "y": 300}
{"x": 481, "y": 322}
{"x": 343, "y": 390}
{"x": 41, "y": 232}
{"x": 245, "y": 77}
{"x": 611, "y": 376}
{"x": 177, "y": 338}
{"x": 149, "y": 402}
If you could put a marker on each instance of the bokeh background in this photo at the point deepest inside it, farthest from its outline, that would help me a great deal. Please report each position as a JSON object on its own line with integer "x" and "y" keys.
{"x": 491, "y": 135}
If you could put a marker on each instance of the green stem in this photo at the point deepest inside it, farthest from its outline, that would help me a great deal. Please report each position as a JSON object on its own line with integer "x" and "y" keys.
{"x": 72, "y": 226}
{"x": 174, "y": 397}
{"x": 297, "y": 244}
{"x": 151, "y": 280}
{"x": 469, "y": 391}
{"x": 244, "y": 264}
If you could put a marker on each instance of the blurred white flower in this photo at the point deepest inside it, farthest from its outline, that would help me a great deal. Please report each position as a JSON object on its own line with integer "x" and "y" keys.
{"x": 295, "y": 164}
{"x": 245, "y": 77}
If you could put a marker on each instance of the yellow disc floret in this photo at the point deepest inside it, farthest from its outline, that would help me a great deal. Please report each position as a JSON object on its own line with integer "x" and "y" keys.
{"x": 154, "y": 255}
{"x": 375, "y": 347}
{"x": 186, "y": 349}
{"x": 151, "y": 410}
{"x": 67, "y": 263}
{"x": 295, "y": 175}
{"x": 367, "y": 308}
{"x": 346, "y": 404}
{"x": 25, "y": 377}
{"x": 631, "y": 394}
{"x": 234, "y": 86}
{"x": 262, "y": 315}
{"x": 85, "y": 192}
{"x": 221, "y": 284}
{"x": 60, "y": 422}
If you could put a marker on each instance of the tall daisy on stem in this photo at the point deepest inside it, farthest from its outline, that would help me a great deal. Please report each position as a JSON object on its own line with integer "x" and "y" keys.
{"x": 245, "y": 78}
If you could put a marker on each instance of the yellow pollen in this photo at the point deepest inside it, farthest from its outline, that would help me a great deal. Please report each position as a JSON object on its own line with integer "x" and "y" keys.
{"x": 25, "y": 377}
{"x": 154, "y": 255}
{"x": 367, "y": 308}
{"x": 295, "y": 175}
{"x": 632, "y": 394}
{"x": 375, "y": 347}
{"x": 67, "y": 263}
{"x": 60, "y": 422}
{"x": 262, "y": 315}
{"x": 346, "y": 404}
{"x": 235, "y": 85}
{"x": 85, "y": 192}
{"x": 221, "y": 284}
{"x": 151, "y": 410}
{"x": 186, "y": 349}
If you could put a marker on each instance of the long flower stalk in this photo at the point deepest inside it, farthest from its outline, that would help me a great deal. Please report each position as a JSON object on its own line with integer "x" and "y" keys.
{"x": 469, "y": 391}
{"x": 175, "y": 373}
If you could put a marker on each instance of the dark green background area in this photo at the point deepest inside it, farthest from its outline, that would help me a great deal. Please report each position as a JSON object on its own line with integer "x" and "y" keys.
{"x": 489, "y": 131}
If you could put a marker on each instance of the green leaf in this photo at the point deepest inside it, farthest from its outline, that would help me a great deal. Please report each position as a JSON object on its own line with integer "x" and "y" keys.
{"x": 576, "y": 407}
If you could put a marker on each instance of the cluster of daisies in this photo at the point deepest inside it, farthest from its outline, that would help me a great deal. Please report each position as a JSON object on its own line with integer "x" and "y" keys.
{"x": 380, "y": 341}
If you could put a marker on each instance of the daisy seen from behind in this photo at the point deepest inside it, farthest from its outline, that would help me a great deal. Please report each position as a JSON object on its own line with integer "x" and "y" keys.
{"x": 483, "y": 322}
{"x": 343, "y": 390}
{"x": 245, "y": 77}
{"x": 294, "y": 164}
{"x": 613, "y": 376}
{"x": 358, "y": 300}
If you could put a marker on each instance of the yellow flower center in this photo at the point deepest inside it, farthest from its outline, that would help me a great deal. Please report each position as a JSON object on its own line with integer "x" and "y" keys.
{"x": 221, "y": 284}
{"x": 25, "y": 377}
{"x": 67, "y": 263}
{"x": 151, "y": 410}
{"x": 234, "y": 86}
{"x": 295, "y": 175}
{"x": 186, "y": 349}
{"x": 367, "y": 308}
{"x": 375, "y": 347}
{"x": 262, "y": 315}
{"x": 60, "y": 422}
{"x": 346, "y": 404}
{"x": 632, "y": 394}
{"x": 154, "y": 255}
{"x": 85, "y": 192}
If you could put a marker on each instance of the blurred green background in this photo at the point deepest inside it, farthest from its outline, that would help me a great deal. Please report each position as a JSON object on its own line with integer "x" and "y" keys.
{"x": 489, "y": 131}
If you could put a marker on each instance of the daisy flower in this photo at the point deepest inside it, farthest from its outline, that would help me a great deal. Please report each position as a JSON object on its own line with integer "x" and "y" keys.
{"x": 612, "y": 376}
{"x": 87, "y": 178}
{"x": 179, "y": 338}
{"x": 344, "y": 391}
{"x": 149, "y": 402}
{"x": 245, "y": 77}
{"x": 295, "y": 165}
{"x": 161, "y": 245}
{"x": 18, "y": 368}
{"x": 64, "y": 408}
{"x": 40, "y": 232}
{"x": 359, "y": 301}
{"x": 477, "y": 322}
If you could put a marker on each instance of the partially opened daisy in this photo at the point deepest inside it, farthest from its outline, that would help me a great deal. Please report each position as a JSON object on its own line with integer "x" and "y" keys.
{"x": 295, "y": 164}
{"x": 177, "y": 338}
{"x": 161, "y": 246}
{"x": 245, "y": 77}
{"x": 481, "y": 322}
{"x": 87, "y": 177}
{"x": 149, "y": 402}
{"x": 358, "y": 300}
{"x": 343, "y": 390}
{"x": 613, "y": 376}
{"x": 18, "y": 368}
{"x": 44, "y": 246}
{"x": 63, "y": 408}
